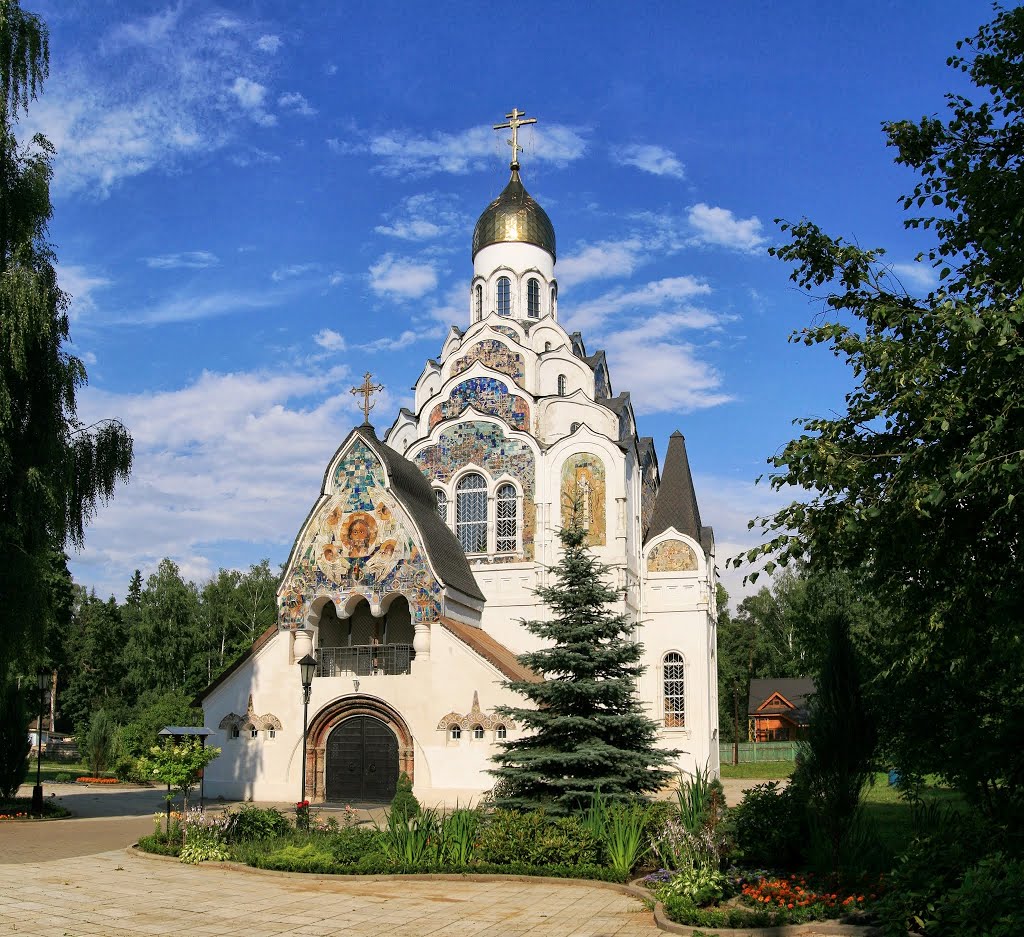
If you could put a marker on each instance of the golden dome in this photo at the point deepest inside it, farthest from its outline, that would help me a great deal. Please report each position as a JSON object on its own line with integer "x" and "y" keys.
{"x": 514, "y": 216}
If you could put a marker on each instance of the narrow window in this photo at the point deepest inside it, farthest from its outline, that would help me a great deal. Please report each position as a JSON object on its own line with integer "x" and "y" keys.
{"x": 547, "y": 346}
{"x": 271, "y": 732}
{"x": 533, "y": 299}
{"x": 561, "y": 385}
{"x": 254, "y": 733}
{"x": 504, "y": 296}
{"x": 501, "y": 733}
{"x": 234, "y": 732}
{"x": 478, "y": 732}
{"x": 553, "y": 294}
{"x": 673, "y": 690}
{"x": 478, "y": 302}
{"x": 456, "y": 733}
{"x": 574, "y": 427}
{"x": 507, "y": 526}
{"x": 442, "y": 504}
{"x": 471, "y": 513}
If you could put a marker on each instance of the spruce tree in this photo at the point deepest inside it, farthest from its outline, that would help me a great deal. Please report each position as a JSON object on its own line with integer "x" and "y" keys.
{"x": 586, "y": 728}
{"x": 53, "y": 469}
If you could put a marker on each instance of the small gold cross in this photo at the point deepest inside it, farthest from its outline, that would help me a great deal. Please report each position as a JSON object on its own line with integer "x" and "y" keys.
{"x": 367, "y": 389}
{"x": 514, "y": 123}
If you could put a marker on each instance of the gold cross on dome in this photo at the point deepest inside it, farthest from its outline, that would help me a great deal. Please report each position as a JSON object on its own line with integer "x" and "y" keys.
{"x": 514, "y": 123}
{"x": 367, "y": 389}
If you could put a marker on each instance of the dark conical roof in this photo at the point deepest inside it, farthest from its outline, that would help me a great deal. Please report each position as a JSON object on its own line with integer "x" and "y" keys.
{"x": 676, "y": 503}
{"x": 514, "y": 216}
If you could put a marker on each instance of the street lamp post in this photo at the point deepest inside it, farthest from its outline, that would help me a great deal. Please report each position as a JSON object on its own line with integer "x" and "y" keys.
{"x": 307, "y": 666}
{"x": 42, "y": 681}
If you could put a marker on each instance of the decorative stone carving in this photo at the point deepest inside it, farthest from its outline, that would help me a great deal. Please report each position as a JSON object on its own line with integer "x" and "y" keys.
{"x": 249, "y": 720}
{"x": 473, "y": 718}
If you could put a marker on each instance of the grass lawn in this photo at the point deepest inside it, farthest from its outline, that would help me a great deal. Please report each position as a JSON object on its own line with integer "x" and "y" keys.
{"x": 761, "y": 770}
{"x": 51, "y": 769}
{"x": 893, "y": 816}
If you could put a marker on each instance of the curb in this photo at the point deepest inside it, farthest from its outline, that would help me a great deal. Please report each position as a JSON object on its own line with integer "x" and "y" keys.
{"x": 815, "y": 928}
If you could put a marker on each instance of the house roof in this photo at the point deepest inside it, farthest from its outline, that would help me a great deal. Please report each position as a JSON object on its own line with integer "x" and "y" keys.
{"x": 413, "y": 490}
{"x": 794, "y": 690}
{"x": 676, "y": 503}
{"x": 491, "y": 650}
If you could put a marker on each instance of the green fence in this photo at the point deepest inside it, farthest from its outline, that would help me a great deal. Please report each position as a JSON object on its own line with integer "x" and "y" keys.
{"x": 753, "y": 752}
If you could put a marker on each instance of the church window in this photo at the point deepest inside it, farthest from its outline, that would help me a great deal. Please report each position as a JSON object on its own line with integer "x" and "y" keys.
{"x": 673, "y": 689}
{"x": 533, "y": 299}
{"x": 504, "y": 296}
{"x": 271, "y": 732}
{"x": 478, "y": 732}
{"x": 547, "y": 346}
{"x": 442, "y": 504}
{"x": 254, "y": 733}
{"x": 554, "y": 293}
{"x": 561, "y": 385}
{"x": 456, "y": 733}
{"x": 234, "y": 732}
{"x": 471, "y": 513}
{"x": 501, "y": 733}
{"x": 507, "y": 526}
{"x": 478, "y": 302}
{"x": 574, "y": 427}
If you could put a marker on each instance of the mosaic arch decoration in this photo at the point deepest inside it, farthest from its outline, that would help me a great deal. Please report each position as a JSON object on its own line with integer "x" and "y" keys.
{"x": 485, "y": 444}
{"x": 249, "y": 720}
{"x": 360, "y": 542}
{"x": 583, "y": 480}
{"x": 488, "y": 395}
{"x": 672, "y": 556}
{"x": 473, "y": 718}
{"x": 495, "y": 355}
{"x": 507, "y": 330}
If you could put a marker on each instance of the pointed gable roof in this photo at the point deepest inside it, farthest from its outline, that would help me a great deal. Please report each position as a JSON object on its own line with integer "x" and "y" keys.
{"x": 676, "y": 503}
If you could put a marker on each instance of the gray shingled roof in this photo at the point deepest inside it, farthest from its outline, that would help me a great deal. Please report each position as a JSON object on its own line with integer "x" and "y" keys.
{"x": 676, "y": 503}
{"x": 794, "y": 689}
{"x": 411, "y": 487}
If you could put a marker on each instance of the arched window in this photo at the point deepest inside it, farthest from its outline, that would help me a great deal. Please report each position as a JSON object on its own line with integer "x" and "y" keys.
{"x": 574, "y": 427}
{"x": 456, "y": 733}
{"x": 471, "y": 513}
{"x": 547, "y": 346}
{"x": 254, "y": 733}
{"x": 271, "y": 732}
{"x": 507, "y": 526}
{"x": 478, "y": 732}
{"x": 533, "y": 298}
{"x": 442, "y": 504}
{"x": 561, "y": 385}
{"x": 504, "y": 296}
{"x": 478, "y": 302}
{"x": 554, "y": 293}
{"x": 501, "y": 733}
{"x": 234, "y": 732}
{"x": 673, "y": 688}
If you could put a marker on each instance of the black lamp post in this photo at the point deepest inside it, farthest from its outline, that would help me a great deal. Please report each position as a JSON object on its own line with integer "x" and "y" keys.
{"x": 42, "y": 681}
{"x": 307, "y": 667}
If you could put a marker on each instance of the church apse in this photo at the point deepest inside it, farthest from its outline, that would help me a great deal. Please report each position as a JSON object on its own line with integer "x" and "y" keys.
{"x": 358, "y": 542}
{"x": 488, "y": 395}
{"x": 583, "y": 486}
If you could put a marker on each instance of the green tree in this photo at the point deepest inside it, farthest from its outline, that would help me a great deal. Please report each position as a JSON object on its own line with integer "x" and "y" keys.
{"x": 918, "y": 482}
{"x": 100, "y": 742}
{"x": 179, "y": 764}
{"x": 14, "y": 743}
{"x": 587, "y": 728}
{"x": 94, "y": 644}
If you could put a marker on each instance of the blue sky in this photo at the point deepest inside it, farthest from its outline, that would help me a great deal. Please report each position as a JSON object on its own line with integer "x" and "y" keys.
{"x": 257, "y": 202}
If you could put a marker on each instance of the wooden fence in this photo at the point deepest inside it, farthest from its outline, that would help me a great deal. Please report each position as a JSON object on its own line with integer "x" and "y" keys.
{"x": 754, "y": 752}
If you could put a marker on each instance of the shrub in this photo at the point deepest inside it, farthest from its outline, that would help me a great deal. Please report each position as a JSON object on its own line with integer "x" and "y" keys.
{"x": 161, "y": 844}
{"x": 350, "y": 845}
{"x": 14, "y": 743}
{"x": 255, "y": 823}
{"x": 404, "y": 803}
{"x": 203, "y": 843}
{"x": 987, "y": 902}
{"x": 535, "y": 839}
{"x": 63, "y": 777}
{"x": 310, "y": 857}
{"x": 135, "y": 770}
{"x": 100, "y": 742}
{"x": 701, "y": 886}
{"x": 769, "y": 826}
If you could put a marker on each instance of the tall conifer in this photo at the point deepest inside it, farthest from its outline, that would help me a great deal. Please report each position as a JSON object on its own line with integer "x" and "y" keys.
{"x": 587, "y": 729}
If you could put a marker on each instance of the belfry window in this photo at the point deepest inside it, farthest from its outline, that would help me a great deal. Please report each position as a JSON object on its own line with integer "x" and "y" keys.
{"x": 561, "y": 385}
{"x": 533, "y": 299}
{"x": 478, "y": 303}
{"x": 504, "y": 296}
{"x": 442, "y": 504}
{"x": 674, "y": 689}
{"x": 471, "y": 513}
{"x": 507, "y": 526}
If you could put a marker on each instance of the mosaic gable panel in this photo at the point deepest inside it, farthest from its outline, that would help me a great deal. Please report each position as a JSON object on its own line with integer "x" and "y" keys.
{"x": 671, "y": 556}
{"x": 488, "y": 395}
{"x": 359, "y": 542}
{"x": 507, "y": 330}
{"x": 648, "y": 489}
{"x": 495, "y": 355}
{"x": 485, "y": 444}
{"x": 583, "y": 487}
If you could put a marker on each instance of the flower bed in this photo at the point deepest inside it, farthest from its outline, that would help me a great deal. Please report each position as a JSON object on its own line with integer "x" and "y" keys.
{"x": 87, "y": 780}
{"x": 20, "y": 808}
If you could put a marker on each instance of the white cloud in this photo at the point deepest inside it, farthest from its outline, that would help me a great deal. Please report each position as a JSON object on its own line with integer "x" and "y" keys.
{"x": 335, "y": 278}
{"x": 80, "y": 284}
{"x": 251, "y": 95}
{"x": 719, "y": 227}
{"x": 291, "y": 271}
{"x": 396, "y": 343}
{"x": 269, "y": 44}
{"x": 605, "y": 260}
{"x": 188, "y": 259}
{"x": 189, "y": 307}
{"x": 253, "y": 156}
{"x": 400, "y": 153}
{"x": 592, "y": 314}
{"x": 330, "y": 340}
{"x": 656, "y": 160}
{"x": 422, "y": 217}
{"x": 293, "y": 101}
{"x": 174, "y": 97}
{"x": 916, "y": 276}
{"x": 401, "y": 277}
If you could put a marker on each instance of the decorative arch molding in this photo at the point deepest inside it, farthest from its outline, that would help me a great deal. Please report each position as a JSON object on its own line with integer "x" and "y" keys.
{"x": 475, "y": 717}
{"x": 334, "y": 714}
{"x": 487, "y": 395}
{"x": 673, "y": 553}
{"x": 250, "y": 720}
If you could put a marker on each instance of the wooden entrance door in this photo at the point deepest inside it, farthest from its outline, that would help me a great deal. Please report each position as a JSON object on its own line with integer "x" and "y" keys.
{"x": 362, "y": 761}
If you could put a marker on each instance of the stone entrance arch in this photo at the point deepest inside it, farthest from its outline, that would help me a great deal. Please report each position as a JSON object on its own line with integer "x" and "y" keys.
{"x": 331, "y": 717}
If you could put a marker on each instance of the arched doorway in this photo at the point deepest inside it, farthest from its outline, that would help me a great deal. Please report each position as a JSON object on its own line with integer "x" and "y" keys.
{"x": 361, "y": 761}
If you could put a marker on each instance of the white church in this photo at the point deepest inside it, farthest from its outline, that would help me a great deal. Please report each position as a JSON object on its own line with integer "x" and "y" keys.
{"x": 419, "y": 557}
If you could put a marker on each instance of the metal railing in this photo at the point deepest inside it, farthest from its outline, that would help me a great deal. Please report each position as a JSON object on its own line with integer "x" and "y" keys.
{"x": 363, "y": 660}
